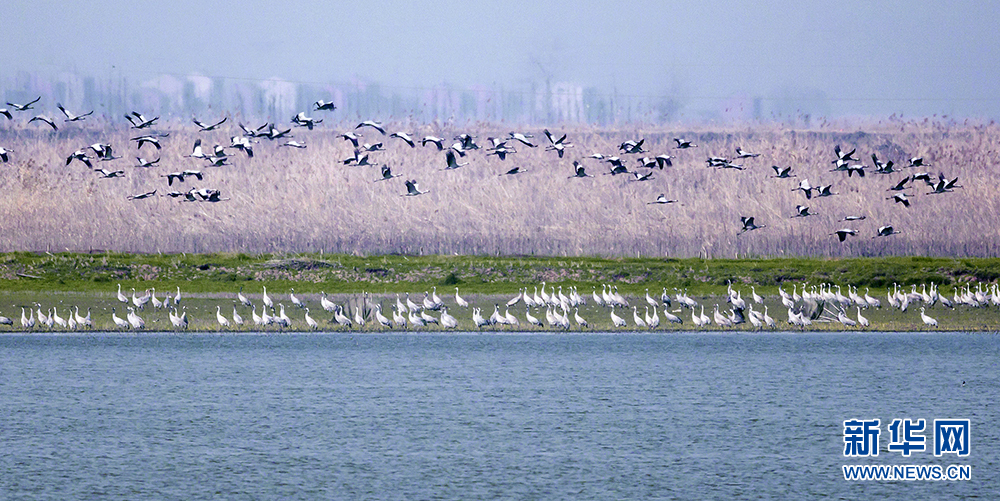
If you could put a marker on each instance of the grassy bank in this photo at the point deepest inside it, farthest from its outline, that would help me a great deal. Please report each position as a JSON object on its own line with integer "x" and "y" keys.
{"x": 210, "y": 280}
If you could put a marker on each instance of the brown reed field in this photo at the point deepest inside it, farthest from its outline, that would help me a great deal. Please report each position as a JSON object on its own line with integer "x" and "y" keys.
{"x": 306, "y": 200}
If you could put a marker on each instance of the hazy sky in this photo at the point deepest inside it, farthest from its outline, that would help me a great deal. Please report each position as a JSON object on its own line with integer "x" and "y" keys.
{"x": 867, "y": 57}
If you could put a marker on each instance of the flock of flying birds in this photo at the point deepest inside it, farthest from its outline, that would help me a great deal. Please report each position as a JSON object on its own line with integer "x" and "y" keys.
{"x": 640, "y": 169}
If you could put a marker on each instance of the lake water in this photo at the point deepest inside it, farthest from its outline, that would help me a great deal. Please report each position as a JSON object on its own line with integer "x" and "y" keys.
{"x": 542, "y": 416}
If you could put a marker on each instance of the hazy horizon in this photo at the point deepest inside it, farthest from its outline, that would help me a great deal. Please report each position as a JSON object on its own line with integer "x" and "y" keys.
{"x": 855, "y": 59}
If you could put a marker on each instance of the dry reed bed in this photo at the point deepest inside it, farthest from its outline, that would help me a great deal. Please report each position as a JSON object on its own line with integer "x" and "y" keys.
{"x": 287, "y": 199}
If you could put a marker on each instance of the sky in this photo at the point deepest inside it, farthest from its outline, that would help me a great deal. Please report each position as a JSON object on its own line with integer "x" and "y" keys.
{"x": 861, "y": 57}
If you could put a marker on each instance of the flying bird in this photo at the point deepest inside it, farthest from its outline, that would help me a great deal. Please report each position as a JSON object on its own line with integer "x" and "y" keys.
{"x": 322, "y": 105}
{"x": 108, "y": 174}
{"x": 515, "y": 170}
{"x": 412, "y": 189}
{"x": 373, "y": 124}
{"x": 146, "y": 163}
{"x": 141, "y": 196}
{"x": 803, "y": 211}
{"x": 147, "y": 139}
{"x": 900, "y": 198}
{"x": 405, "y": 137}
{"x": 886, "y": 231}
{"x": 4, "y": 154}
{"x": 206, "y": 127}
{"x": 43, "y": 118}
{"x": 386, "y": 174}
{"x": 437, "y": 141}
{"x": 579, "y": 170}
{"x": 140, "y": 122}
{"x": 684, "y": 144}
{"x": 843, "y": 232}
{"x": 523, "y": 139}
{"x": 71, "y": 117}
{"x": 661, "y": 199}
{"x": 749, "y": 224}
{"x": 452, "y": 161}
{"x": 844, "y": 157}
{"x": 302, "y": 120}
{"x": 23, "y": 107}
{"x": 81, "y": 156}
{"x": 782, "y": 173}
{"x": 741, "y": 153}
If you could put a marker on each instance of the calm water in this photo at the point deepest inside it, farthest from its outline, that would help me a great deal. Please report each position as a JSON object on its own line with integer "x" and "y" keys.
{"x": 480, "y": 416}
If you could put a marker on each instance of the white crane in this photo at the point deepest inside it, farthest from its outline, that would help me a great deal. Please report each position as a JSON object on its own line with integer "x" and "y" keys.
{"x": 237, "y": 319}
{"x": 398, "y": 318}
{"x": 223, "y": 321}
{"x": 267, "y": 299}
{"x": 616, "y": 320}
{"x": 295, "y": 300}
{"x": 534, "y": 320}
{"x": 579, "y": 320}
{"x": 448, "y": 321}
{"x": 928, "y": 321}
{"x": 135, "y": 320}
{"x": 380, "y": 317}
{"x": 242, "y": 299}
{"x": 121, "y": 324}
{"x": 459, "y": 301}
{"x": 121, "y": 297}
{"x": 862, "y": 320}
{"x": 310, "y": 322}
{"x": 61, "y": 322}
{"x": 652, "y": 321}
{"x": 358, "y": 317}
{"x": 327, "y": 305}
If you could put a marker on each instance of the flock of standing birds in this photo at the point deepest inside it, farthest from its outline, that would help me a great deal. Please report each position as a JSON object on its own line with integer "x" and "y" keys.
{"x": 818, "y": 303}
{"x": 805, "y": 305}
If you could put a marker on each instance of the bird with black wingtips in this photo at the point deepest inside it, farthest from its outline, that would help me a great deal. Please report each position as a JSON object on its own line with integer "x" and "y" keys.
{"x": 301, "y": 120}
{"x": 918, "y": 162}
{"x": 142, "y": 196}
{"x": 643, "y": 177}
{"x": 885, "y": 231}
{"x": 70, "y": 117}
{"x": 372, "y": 124}
{"x": 661, "y": 200}
{"x": 632, "y": 147}
{"x": 108, "y": 174}
{"x": 142, "y": 162}
{"x": 843, "y": 232}
{"x": 882, "y": 168}
{"x": 405, "y": 138}
{"x": 901, "y": 185}
{"x": 24, "y": 107}
{"x": 386, "y": 174}
{"x": 81, "y": 156}
{"x": 825, "y": 191}
{"x": 5, "y": 154}
{"x": 140, "y": 122}
{"x": 900, "y": 198}
{"x": 322, "y": 105}
{"x": 806, "y": 188}
{"x": 782, "y": 173}
{"x": 749, "y": 224}
{"x": 45, "y": 119}
{"x": 579, "y": 170}
{"x": 452, "y": 161}
{"x": 412, "y": 189}
{"x": 208, "y": 127}
{"x": 844, "y": 157}
{"x": 683, "y": 144}
{"x": 741, "y": 153}
{"x": 436, "y": 141}
{"x": 803, "y": 211}
{"x": 515, "y": 170}
{"x": 523, "y": 139}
